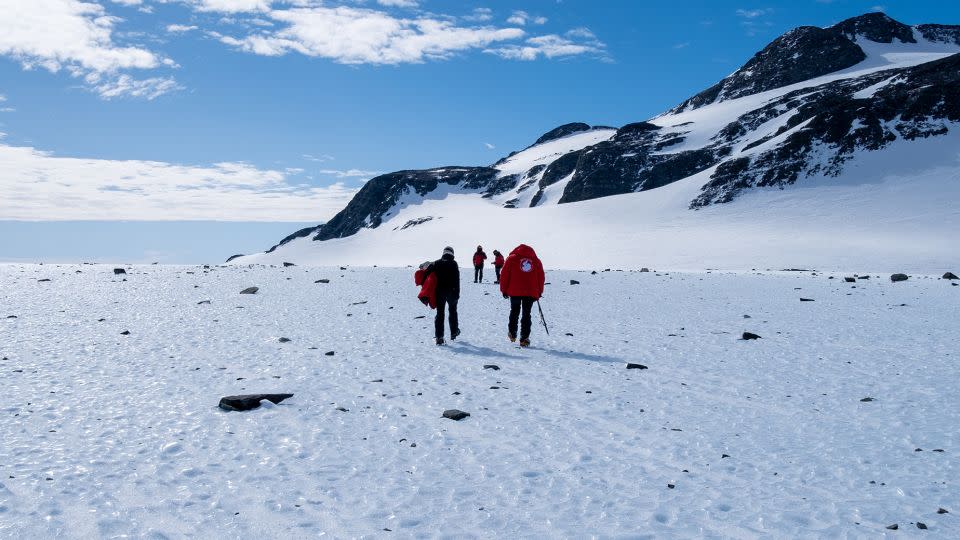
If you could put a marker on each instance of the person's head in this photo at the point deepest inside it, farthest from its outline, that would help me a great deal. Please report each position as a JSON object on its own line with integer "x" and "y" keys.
{"x": 479, "y": 248}
{"x": 448, "y": 251}
{"x": 495, "y": 252}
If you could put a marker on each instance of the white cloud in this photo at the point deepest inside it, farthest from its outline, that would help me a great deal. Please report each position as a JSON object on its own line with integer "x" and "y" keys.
{"x": 40, "y": 186}
{"x": 318, "y": 159}
{"x": 231, "y": 6}
{"x": 753, "y": 13}
{"x": 128, "y": 2}
{"x": 553, "y": 46}
{"x": 180, "y": 28}
{"x": 127, "y": 86}
{"x": 69, "y": 35}
{"x": 489, "y": 146}
{"x": 518, "y": 17}
{"x": 363, "y": 36}
{"x": 479, "y": 15}
{"x": 539, "y": 20}
{"x": 349, "y": 173}
{"x": 398, "y": 3}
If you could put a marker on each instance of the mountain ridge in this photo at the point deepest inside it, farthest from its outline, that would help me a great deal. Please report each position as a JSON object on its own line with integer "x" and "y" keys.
{"x": 801, "y": 106}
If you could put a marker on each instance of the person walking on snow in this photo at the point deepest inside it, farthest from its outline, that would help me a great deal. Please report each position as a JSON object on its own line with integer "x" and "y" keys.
{"x": 478, "y": 259}
{"x": 447, "y": 292}
{"x": 497, "y": 264}
{"x": 522, "y": 282}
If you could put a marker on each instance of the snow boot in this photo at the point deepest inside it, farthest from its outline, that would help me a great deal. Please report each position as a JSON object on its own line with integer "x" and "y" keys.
{"x": 512, "y": 338}
{"x": 440, "y": 341}
{"x": 454, "y": 335}
{"x": 524, "y": 342}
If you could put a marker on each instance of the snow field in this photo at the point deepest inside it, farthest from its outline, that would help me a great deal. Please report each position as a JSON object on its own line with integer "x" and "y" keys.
{"x": 107, "y": 435}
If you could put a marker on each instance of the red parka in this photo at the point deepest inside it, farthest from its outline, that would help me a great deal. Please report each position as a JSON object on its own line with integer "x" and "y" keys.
{"x": 478, "y": 258}
{"x": 428, "y": 288}
{"x": 522, "y": 273}
{"x": 498, "y": 261}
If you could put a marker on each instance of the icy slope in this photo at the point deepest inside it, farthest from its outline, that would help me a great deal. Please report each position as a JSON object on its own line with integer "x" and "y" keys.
{"x": 109, "y": 435}
{"x": 855, "y": 222}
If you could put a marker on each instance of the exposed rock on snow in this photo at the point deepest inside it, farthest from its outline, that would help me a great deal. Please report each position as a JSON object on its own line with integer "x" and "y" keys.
{"x": 118, "y": 271}
{"x": 950, "y": 275}
{"x": 246, "y": 402}
{"x": 750, "y": 335}
{"x": 250, "y": 290}
{"x": 455, "y": 414}
{"x": 899, "y": 277}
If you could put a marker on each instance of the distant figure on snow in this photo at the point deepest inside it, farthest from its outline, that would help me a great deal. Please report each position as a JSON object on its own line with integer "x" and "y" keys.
{"x": 446, "y": 271}
{"x": 478, "y": 259}
{"x": 522, "y": 282}
{"x": 428, "y": 285}
{"x": 497, "y": 264}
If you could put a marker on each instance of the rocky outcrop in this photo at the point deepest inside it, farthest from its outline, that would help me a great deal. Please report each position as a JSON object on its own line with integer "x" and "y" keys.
{"x": 562, "y": 131}
{"x": 799, "y": 55}
{"x": 837, "y": 124}
{"x": 878, "y": 27}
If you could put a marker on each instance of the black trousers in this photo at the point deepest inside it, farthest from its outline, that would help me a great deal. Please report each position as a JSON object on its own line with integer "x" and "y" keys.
{"x": 496, "y": 270}
{"x": 477, "y": 274}
{"x": 451, "y": 304}
{"x": 518, "y": 304}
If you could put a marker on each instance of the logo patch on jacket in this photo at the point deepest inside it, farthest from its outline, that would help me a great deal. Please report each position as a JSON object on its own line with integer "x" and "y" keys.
{"x": 526, "y": 265}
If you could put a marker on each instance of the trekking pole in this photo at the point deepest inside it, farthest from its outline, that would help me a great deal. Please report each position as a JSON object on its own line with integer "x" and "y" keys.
{"x": 544, "y": 321}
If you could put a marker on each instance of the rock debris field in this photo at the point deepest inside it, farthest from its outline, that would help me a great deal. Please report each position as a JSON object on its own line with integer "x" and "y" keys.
{"x": 840, "y": 418}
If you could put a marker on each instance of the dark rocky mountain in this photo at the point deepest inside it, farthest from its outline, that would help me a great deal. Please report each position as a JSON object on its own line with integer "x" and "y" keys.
{"x": 801, "y": 127}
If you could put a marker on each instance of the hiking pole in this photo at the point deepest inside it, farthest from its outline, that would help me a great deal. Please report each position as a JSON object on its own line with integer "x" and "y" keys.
{"x": 544, "y": 321}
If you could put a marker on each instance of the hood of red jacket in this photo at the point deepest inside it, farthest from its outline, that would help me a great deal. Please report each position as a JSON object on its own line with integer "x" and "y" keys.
{"x": 524, "y": 250}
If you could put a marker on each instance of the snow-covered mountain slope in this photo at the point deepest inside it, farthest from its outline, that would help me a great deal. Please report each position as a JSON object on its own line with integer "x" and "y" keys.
{"x": 845, "y": 108}
{"x": 119, "y": 436}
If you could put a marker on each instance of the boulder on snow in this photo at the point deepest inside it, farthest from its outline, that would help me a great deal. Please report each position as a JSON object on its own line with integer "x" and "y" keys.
{"x": 806, "y": 299}
{"x": 246, "y": 402}
{"x": 850, "y": 279}
{"x": 288, "y": 264}
{"x": 750, "y": 335}
{"x": 322, "y": 281}
{"x": 644, "y": 269}
{"x": 899, "y": 277}
{"x": 118, "y": 271}
{"x": 574, "y": 282}
{"x": 491, "y": 366}
{"x": 284, "y": 340}
{"x": 250, "y": 290}
{"x": 455, "y": 414}
{"x": 950, "y": 275}
{"x": 636, "y": 366}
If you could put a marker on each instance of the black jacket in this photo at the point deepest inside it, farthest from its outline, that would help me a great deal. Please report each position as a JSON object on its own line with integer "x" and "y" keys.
{"x": 448, "y": 277}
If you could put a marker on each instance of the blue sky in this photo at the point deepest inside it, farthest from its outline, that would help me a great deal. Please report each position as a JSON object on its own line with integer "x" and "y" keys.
{"x": 272, "y": 110}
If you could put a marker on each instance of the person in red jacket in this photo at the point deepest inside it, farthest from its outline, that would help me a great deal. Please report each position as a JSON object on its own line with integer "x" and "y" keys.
{"x": 522, "y": 282}
{"x": 478, "y": 259}
{"x": 497, "y": 264}
{"x": 427, "y": 281}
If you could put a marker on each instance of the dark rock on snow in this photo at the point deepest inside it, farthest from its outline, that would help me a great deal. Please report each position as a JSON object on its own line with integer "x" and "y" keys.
{"x": 322, "y": 281}
{"x": 921, "y": 525}
{"x": 574, "y": 282}
{"x": 125, "y": 333}
{"x": 893, "y": 527}
{"x": 118, "y": 271}
{"x": 750, "y": 335}
{"x": 284, "y": 340}
{"x": 455, "y": 414}
{"x": 491, "y": 366}
{"x": 636, "y": 366}
{"x": 899, "y": 277}
{"x": 288, "y": 264}
{"x": 950, "y": 275}
{"x": 867, "y": 399}
{"x": 250, "y": 290}
{"x": 850, "y": 279}
{"x": 246, "y": 402}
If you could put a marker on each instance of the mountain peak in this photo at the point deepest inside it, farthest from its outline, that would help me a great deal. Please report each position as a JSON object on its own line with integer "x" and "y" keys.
{"x": 562, "y": 131}
{"x": 803, "y": 53}
{"x": 877, "y": 26}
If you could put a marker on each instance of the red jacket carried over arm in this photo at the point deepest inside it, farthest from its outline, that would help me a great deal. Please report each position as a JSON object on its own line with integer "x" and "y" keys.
{"x": 522, "y": 273}
{"x": 428, "y": 287}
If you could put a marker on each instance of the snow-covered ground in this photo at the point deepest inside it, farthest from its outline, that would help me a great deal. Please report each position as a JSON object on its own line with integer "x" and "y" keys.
{"x": 110, "y": 435}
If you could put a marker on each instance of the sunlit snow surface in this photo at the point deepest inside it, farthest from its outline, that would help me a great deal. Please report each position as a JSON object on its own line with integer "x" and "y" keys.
{"x": 106, "y": 435}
